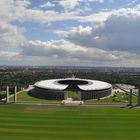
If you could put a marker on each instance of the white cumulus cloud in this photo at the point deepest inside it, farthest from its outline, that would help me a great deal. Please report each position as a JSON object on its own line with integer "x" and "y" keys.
{"x": 120, "y": 32}
{"x": 10, "y": 35}
{"x": 47, "y": 5}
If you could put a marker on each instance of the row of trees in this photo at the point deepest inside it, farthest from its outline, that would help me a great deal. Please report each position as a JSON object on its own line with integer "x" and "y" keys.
{"x": 22, "y": 79}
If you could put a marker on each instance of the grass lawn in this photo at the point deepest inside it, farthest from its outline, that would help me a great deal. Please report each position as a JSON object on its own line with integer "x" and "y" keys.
{"x": 32, "y": 122}
{"x": 119, "y": 98}
{"x": 72, "y": 94}
{"x": 24, "y": 96}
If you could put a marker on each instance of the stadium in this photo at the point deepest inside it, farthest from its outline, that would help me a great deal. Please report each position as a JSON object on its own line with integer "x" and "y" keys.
{"x": 58, "y": 89}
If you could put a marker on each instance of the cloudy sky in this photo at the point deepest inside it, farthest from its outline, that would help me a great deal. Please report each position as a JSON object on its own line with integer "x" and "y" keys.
{"x": 70, "y": 32}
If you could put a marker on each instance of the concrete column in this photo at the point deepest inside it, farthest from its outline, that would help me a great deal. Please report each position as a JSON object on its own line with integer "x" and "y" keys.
{"x": 138, "y": 97}
{"x": 79, "y": 95}
{"x": 7, "y": 94}
{"x": 130, "y": 98}
{"x": 15, "y": 94}
{"x": 65, "y": 95}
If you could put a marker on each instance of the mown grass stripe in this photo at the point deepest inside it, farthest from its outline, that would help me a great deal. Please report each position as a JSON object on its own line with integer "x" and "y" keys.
{"x": 68, "y": 123}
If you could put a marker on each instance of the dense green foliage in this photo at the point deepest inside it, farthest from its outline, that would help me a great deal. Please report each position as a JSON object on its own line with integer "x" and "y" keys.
{"x": 24, "y": 77}
{"x": 28, "y": 122}
{"x": 2, "y": 94}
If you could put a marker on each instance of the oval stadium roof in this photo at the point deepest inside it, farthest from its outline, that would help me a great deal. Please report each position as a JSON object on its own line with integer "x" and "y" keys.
{"x": 56, "y": 84}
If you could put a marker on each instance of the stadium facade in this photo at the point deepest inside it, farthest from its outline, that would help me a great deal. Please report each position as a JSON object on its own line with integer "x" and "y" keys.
{"x": 58, "y": 89}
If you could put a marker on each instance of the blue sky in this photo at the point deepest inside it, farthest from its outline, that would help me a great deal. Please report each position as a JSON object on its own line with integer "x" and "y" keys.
{"x": 39, "y": 31}
{"x": 70, "y": 32}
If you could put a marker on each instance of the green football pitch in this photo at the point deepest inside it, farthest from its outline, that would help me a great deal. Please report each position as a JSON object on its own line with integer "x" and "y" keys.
{"x": 43, "y": 122}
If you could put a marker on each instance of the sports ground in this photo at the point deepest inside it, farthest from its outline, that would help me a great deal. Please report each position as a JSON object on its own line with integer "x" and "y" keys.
{"x": 36, "y": 122}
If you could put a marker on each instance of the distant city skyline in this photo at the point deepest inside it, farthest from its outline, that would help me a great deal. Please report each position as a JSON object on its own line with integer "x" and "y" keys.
{"x": 70, "y": 32}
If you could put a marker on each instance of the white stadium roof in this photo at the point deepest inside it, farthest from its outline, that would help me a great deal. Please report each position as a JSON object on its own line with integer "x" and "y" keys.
{"x": 54, "y": 85}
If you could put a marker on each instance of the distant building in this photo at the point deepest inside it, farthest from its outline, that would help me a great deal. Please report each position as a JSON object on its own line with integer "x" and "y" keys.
{"x": 57, "y": 89}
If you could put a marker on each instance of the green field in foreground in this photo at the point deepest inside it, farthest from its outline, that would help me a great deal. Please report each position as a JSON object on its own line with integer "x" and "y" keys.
{"x": 32, "y": 122}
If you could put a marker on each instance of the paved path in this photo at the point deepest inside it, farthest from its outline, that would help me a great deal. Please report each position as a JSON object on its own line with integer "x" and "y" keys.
{"x": 29, "y": 88}
{"x": 58, "y": 103}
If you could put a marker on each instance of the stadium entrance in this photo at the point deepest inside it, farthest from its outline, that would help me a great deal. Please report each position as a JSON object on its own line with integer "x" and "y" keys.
{"x": 73, "y": 95}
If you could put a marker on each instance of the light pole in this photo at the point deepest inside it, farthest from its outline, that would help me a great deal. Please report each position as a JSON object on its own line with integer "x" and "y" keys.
{"x": 7, "y": 94}
{"x": 130, "y": 98}
{"x": 138, "y": 104}
{"x": 15, "y": 94}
